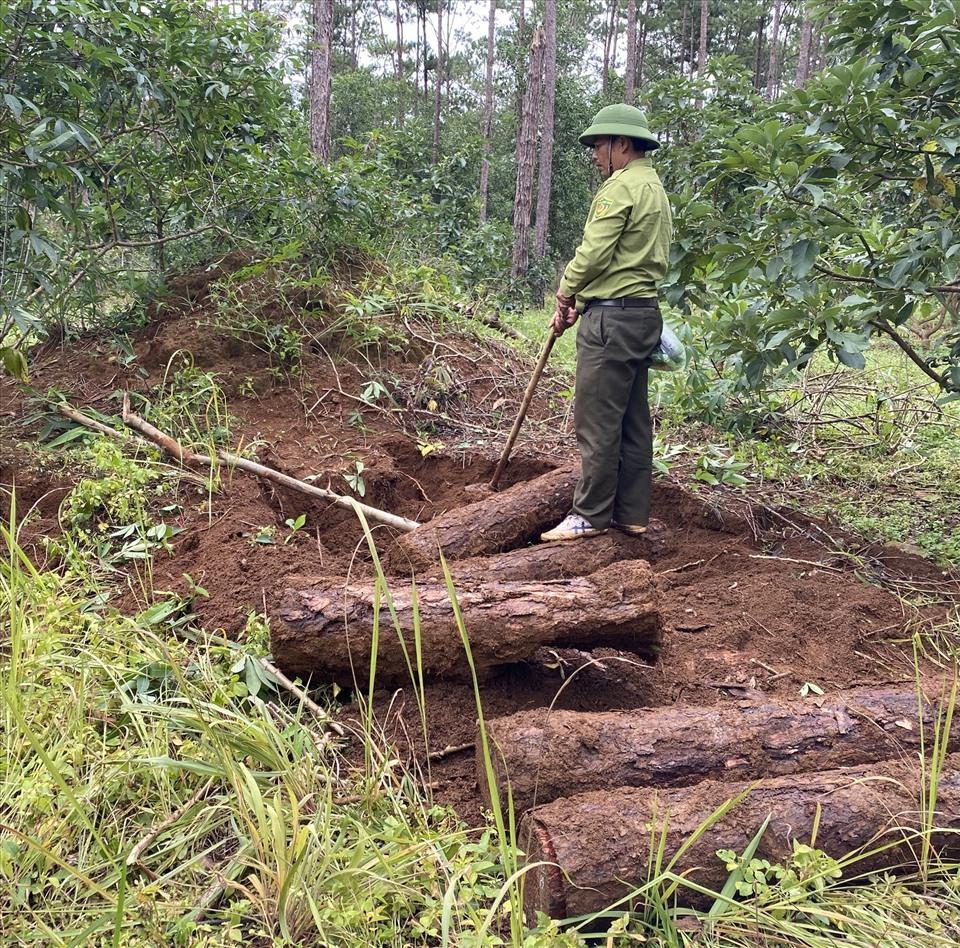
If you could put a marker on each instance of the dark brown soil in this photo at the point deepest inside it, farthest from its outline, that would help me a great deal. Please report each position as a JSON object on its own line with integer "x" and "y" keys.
{"x": 752, "y": 599}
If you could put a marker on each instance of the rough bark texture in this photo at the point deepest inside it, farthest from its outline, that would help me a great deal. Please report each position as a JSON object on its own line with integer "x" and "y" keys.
{"x": 526, "y": 158}
{"x": 562, "y": 753}
{"x": 630, "y": 73}
{"x": 545, "y": 174}
{"x": 803, "y": 57}
{"x": 772, "y": 65}
{"x": 322, "y": 626}
{"x": 497, "y": 523}
{"x": 487, "y": 131}
{"x": 599, "y": 843}
{"x": 554, "y": 560}
{"x": 320, "y": 78}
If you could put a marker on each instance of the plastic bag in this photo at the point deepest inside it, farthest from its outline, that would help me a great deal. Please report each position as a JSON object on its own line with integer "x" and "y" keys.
{"x": 670, "y": 353}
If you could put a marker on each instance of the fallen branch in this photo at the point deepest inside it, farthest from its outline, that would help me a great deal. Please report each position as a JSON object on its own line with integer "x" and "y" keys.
{"x": 187, "y": 457}
{"x": 449, "y": 750}
{"x": 301, "y": 695}
{"x": 134, "y": 858}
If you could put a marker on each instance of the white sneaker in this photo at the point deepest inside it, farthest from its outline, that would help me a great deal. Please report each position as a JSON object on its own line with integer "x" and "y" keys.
{"x": 572, "y": 527}
{"x": 634, "y": 529}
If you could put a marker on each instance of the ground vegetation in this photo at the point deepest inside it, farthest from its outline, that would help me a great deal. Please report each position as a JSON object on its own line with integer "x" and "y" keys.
{"x": 193, "y": 234}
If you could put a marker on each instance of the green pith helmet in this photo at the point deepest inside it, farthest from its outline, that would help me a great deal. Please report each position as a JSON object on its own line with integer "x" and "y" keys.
{"x": 620, "y": 119}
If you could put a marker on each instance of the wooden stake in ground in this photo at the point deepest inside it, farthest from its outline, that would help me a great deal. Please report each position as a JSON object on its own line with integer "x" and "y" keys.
{"x": 590, "y": 850}
{"x": 546, "y": 755}
{"x": 323, "y": 625}
{"x": 524, "y": 407}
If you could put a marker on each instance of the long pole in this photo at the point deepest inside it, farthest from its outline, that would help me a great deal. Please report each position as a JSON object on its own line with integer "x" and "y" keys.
{"x": 524, "y": 406}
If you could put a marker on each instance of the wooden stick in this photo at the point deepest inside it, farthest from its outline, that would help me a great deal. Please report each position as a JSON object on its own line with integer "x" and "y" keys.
{"x": 184, "y": 456}
{"x": 88, "y": 422}
{"x": 450, "y": 749}
{"x": 138, "y": 850}
{"x": 174, "y": 448}
{"x": 301, "y": 695}
{"x": 524, "y": 406}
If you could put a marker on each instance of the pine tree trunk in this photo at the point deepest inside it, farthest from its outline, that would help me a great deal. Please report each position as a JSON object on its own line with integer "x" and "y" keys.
{"x": 589, "y": 851}
{"x": 774, "y": 50}
{"x": 644, "y": 30}
{"x": 545, "y": 755}
{"x": 545, "y": 174}
{"x": 803, "y": 57}
{"x": 320, "y": 78}
{"x": 608, "y": 45}
{"x": 353, "y": 33}
{"x": 487, "y": 111}
{"x": 702, "y": 55}
{"x": 758, "y": 53}
{"x": 503, "y": 521}
{"x": 399, "y": 44}
{"x": 526, "y": 158}
{"x": 630, "y": 75}
{"x": 324, "y": 625}
{"x": 426, "y": 57}
{"x": 438, "y": 86}
{"x": 683, "y": 35}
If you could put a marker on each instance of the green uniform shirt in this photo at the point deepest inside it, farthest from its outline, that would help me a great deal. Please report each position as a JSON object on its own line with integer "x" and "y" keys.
{"x": 626, "y": 241}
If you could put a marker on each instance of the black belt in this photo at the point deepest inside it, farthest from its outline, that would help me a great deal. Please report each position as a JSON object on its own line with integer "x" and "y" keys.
{"x": 625, "y": 302}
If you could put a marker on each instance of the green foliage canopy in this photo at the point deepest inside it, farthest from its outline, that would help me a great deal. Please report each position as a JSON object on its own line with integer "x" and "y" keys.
{"x": 833, "y": 216}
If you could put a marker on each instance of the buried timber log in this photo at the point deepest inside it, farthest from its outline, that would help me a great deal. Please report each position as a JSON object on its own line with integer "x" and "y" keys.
{"x": 496, "y": 523}
{"x": 550, "y": 560}
{"x": 546, "y": 755}
{"x": 323, "y": 625}
{"x": 587, "y": 851}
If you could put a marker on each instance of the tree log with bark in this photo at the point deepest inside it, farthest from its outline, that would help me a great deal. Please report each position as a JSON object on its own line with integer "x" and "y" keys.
{"x": 546, "y": 755}
{"x": 554, "y": 560}
{"x": 594, "y": 848}
{"x": 494, "y": 524}
{"x": 323, "y": 626}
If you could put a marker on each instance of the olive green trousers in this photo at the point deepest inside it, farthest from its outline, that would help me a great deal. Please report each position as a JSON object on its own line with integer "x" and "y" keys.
{"x": 612, "y": 414}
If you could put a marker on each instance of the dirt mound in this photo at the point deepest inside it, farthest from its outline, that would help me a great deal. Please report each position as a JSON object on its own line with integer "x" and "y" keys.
{"x": 752, "y": 599}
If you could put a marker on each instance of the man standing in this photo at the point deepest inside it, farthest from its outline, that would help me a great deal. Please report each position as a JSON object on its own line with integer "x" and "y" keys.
{"x": 612, "y": 281}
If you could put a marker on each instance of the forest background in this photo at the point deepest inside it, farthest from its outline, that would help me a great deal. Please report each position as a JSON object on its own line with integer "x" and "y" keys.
{"x": 811, "y": 153}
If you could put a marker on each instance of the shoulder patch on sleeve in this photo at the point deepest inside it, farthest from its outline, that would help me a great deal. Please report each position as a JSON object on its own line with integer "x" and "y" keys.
{"x": 604, "y": 205}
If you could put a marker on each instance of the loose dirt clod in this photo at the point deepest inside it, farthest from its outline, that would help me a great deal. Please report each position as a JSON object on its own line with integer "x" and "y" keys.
{"x": 545, "y": 755}
{"x": 324, "y": 625}
{"x": 589, "y": 850}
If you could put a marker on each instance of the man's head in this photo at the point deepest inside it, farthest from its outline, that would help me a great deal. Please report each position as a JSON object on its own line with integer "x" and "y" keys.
{"x": 617, "y": 135}
{"x": 613, "y": 152}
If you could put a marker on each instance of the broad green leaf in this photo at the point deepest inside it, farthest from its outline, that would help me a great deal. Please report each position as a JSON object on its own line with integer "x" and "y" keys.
{"x": 854, "y": 360}
{"x": 803, "y": 257}
{"x": 14, "y": 363}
